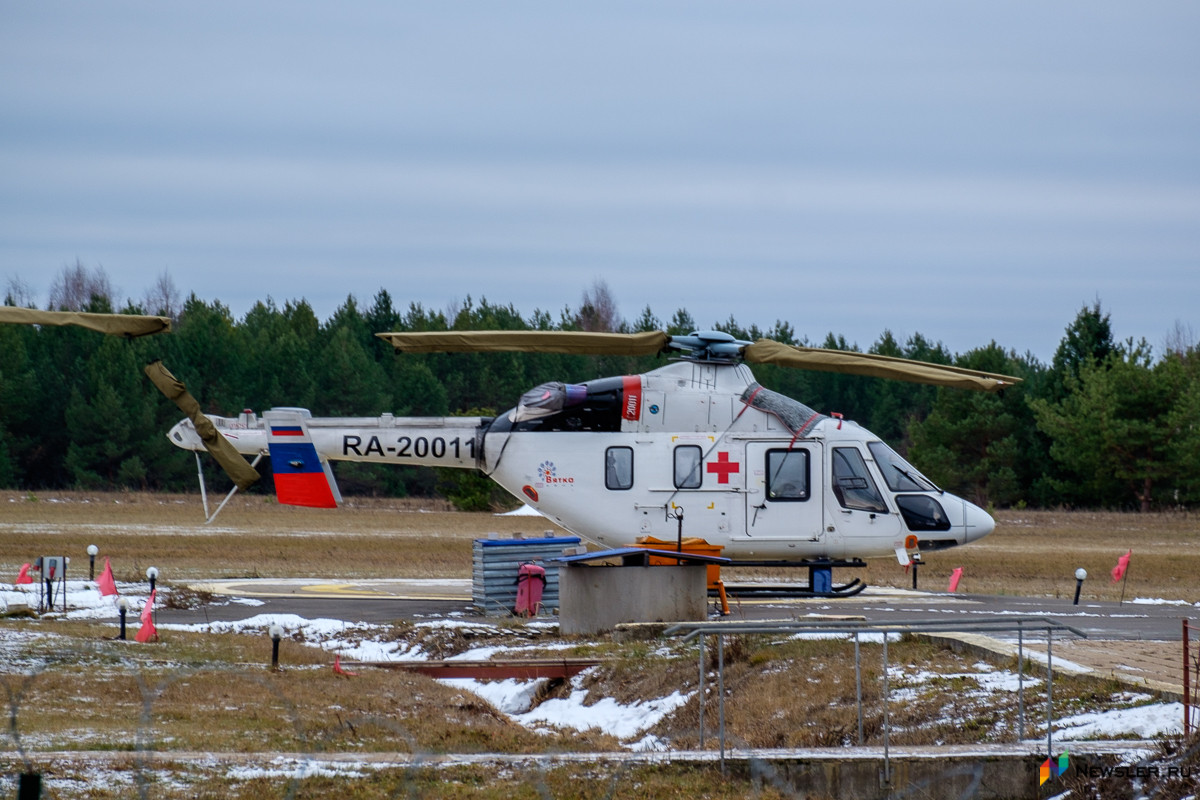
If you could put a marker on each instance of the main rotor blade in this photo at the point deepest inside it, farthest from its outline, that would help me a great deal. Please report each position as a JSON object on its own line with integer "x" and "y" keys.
{"x": 131, "y": 325}
{"x": 230, "y": 459}
{"x": 571, "y": 342}
{"x": 766, "y": 351}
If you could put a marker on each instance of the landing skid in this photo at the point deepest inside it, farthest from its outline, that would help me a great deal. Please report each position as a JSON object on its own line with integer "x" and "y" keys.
{"x": 819, "y": 582}
{"x": 204, "y": 490}
{"x": 751, "y": 591}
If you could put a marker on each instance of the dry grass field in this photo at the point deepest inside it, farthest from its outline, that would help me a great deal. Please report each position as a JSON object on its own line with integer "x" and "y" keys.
{"x": 254, "y": 536}
{"x": 1036, "y": 553}
{"x": 1032, "y": 553}
{"x": 70, "y": 687}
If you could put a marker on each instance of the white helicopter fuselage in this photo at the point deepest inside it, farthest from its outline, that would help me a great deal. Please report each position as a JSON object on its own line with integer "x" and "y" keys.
{"x": 694, "y": 449}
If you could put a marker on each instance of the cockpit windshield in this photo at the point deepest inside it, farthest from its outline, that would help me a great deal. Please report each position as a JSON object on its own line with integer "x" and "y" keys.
{"x": 899, "y": 474}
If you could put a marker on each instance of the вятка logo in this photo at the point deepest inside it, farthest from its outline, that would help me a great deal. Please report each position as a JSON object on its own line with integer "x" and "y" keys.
{"x": 1049, "y": 769}
{"x": 549, "y": 474}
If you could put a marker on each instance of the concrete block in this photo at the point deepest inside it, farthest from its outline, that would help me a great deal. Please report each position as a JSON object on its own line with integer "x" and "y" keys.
{"x": 596, "y": 598}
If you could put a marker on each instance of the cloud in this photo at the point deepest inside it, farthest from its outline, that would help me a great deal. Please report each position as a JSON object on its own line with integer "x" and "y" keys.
{"x": 969, "y": 173}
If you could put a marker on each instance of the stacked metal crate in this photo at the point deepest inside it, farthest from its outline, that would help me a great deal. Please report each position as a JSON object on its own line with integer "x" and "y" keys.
{"x": 496, "y": 562}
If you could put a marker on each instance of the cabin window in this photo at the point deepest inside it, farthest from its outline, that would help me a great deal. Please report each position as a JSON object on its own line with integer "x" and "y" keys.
{"x": 687, "y": 466}
{"x": 852, "y": 483}
{"x": 618, "y": 468}
{"x": 787, "y": 475}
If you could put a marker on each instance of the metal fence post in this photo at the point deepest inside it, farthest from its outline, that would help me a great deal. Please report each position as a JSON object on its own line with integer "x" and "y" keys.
{"x": 1049, "y": 693}
{"x": 1020, "y": 683}
{"x": 887, "y": 764}
{"x": 721, "y": 695}
{"x": 858, "y": 687}
{"x": 701, "y": 638}
{"x": 29, "y": 786}
{"x": 1187, "y": 689}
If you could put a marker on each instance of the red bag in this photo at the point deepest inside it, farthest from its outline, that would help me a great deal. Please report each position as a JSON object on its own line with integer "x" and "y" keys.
{"x": 531, "y": 580}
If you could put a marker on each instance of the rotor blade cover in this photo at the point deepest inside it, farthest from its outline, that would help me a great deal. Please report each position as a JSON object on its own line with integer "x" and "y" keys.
{"x": 230, "y": 460}
{"x": 131, "y": 325}
{"x": 570, "y": 342}
{"x": 766, "y": 351}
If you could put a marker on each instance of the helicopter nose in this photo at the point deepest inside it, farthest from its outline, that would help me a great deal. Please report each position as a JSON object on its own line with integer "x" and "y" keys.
{"x": 977, "y": 523}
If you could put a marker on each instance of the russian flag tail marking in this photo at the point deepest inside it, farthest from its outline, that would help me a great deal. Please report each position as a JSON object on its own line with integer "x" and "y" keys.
{"x": 302, "y": 477}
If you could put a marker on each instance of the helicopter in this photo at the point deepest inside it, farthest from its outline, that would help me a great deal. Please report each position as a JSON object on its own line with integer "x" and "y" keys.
{"x": 697, "y": 442}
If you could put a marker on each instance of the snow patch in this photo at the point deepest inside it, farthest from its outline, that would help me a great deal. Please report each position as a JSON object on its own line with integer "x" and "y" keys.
{"x": 1156, "y": 601}
{"x": 296, "y": 771}
{"x": 509, "y": 696}
{"x": 523, "y": 511}
{"x": 1144, "y": 722}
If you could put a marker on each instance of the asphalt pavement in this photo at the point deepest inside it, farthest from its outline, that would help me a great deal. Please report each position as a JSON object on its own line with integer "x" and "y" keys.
{"x": 383, "y": 601}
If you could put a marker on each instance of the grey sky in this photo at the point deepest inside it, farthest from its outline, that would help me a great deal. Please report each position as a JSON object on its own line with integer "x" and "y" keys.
{"x": 970, "y": 173}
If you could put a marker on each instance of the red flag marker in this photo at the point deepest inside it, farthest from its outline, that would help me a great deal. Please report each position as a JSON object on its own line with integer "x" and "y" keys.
{"x": 105, "y": 582}
{"x": 955, "y": 577}
{"x": 148, "y": 631}
{"x": 337, "y": 668}
{"x": 23, "y": 575}
{"x": 1118, "y": 572}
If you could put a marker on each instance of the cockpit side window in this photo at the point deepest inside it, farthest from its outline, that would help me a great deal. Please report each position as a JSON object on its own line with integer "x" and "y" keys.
{"x": 852, "y": 483}
{"x": 922, "y": 513}
{"x": 618, "y": 468}
{"x": 787, "y": 475}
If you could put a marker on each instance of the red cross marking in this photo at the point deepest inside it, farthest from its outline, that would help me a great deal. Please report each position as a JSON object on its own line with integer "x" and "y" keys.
{"x": 723, "y": 467}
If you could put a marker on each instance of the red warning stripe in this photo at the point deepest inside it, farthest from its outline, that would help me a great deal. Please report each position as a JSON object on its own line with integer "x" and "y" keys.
{"x": 308, "y": 489}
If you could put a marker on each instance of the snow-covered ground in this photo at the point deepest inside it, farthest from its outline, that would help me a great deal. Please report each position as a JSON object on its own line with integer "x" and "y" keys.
{"x": 367, "y": 642}
{"x": 627, "y": 722}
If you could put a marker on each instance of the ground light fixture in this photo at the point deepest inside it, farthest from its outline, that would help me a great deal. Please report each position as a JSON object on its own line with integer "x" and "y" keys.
{"x": 276, "y": 633}
{"x": 1080, "y": 575}
{"x": 152, "y": 576}
{"x": 122, "y": 610}
{"x": 92, "y": 551}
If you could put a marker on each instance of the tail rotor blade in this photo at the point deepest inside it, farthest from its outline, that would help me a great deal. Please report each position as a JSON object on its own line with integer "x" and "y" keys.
{"x": 230, "y": 460}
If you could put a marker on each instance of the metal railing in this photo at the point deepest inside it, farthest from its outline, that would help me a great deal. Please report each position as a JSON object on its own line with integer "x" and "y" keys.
{"x": 857, "y": 628}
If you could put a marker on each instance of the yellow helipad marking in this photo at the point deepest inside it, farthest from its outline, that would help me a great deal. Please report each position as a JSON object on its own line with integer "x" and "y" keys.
{"x": 343, "y": 590}
{"x": 381, "y": 590}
